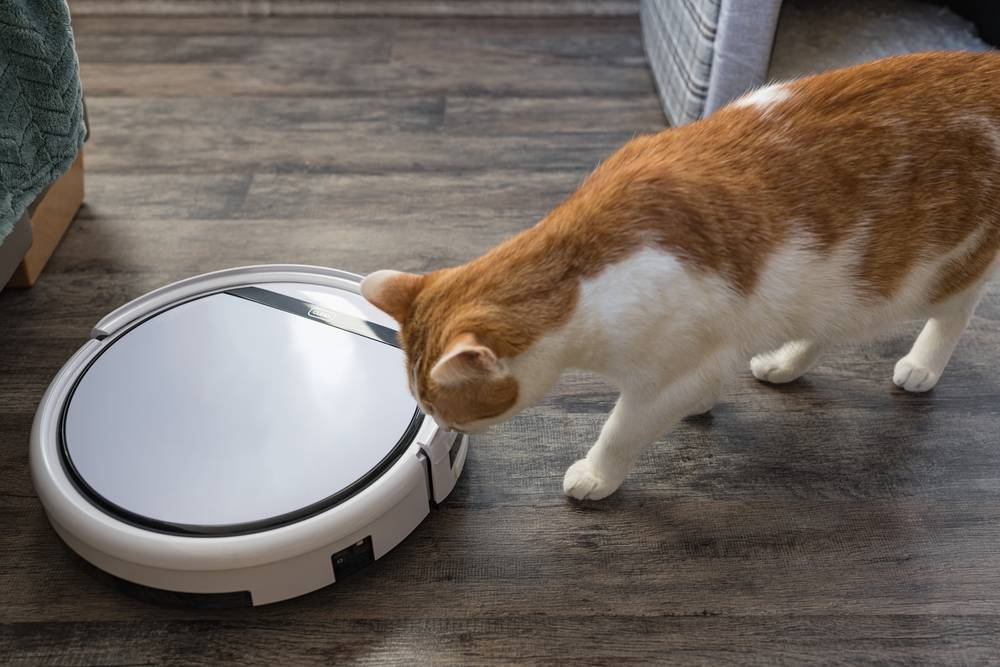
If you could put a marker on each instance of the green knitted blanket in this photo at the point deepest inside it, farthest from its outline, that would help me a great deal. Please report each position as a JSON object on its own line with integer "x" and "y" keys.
{"x": 41, "y": 102}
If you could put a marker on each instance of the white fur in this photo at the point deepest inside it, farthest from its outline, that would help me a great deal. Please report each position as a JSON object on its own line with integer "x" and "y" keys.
{"x": 764, "y": 98}
{"x": 991, "y": 131}
{"x": 921, "y": 368}
{"x": 450, "y": 369}
{"x": 652, "y": 326}
{"x": 373, "y": 284}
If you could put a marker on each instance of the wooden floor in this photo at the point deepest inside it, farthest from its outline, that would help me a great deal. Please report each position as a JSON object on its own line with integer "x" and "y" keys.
{"x": 835, "y": 521}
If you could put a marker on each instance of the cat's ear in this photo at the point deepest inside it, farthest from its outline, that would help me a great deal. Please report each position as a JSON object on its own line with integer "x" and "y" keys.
{"x": 465, "y": 359}
{"x": 392, "y": 292}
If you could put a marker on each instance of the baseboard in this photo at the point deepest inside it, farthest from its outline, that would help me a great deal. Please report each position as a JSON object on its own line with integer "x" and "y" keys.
{"x": 49, "y": 222}
{"x": 429, "y": 8}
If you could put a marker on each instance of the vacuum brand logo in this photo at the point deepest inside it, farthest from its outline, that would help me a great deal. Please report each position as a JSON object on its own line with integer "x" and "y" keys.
{"x": 320, "y": 314}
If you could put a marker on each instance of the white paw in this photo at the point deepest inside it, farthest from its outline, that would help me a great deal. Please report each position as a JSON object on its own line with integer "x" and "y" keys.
{"x": 913, "y": 376}
{"x": 582, "y": 482}
{"x": 772, "y": 368}
{"x": 701, "y": 408}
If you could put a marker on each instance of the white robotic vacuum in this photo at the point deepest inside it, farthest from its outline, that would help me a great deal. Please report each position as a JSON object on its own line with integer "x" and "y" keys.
{"x": 245, "y": 436}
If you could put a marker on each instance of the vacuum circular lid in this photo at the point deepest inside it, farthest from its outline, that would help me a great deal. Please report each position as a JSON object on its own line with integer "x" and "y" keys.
{"x": 239, "y": 411}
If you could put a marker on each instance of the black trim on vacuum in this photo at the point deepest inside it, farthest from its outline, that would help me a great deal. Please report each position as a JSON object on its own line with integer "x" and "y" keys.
{"x": 162, "y": 596}
{"x": 317, "y": 313}
{"x": 423, "y": 458}
{"x": 269, "y": 523}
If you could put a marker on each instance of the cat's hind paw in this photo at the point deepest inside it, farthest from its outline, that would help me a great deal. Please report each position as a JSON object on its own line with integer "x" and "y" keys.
{"x": 768, "y": 369}
{"x": 583, "y": 483}
{"x": 788, "y": 363}
{"x": 913, "y": 376}
{"x": 702, "y": 407}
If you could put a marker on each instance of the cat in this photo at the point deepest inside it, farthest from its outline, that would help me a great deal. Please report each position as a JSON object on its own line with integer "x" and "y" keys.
{"x": 803, "y": 215}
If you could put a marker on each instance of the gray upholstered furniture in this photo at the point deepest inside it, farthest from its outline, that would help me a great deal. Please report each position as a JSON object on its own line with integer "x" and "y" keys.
{"x": 704, "y": 53}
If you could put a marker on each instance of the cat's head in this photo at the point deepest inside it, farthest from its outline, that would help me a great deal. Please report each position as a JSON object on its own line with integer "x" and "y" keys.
{"x": 457, "y": 358}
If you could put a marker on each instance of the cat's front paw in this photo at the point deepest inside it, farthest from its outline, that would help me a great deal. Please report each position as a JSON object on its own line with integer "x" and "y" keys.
{"x": 584, "y": 483}
{"x": 914, "y": 376}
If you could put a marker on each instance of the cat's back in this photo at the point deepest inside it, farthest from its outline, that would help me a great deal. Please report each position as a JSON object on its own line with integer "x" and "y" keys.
{"x": 915, "y": 103}
{"x": 933, "y": 84}
{"x": 899, "y": 156}
{"x": 913, "y": 137}
{"x": 897, "y": 159}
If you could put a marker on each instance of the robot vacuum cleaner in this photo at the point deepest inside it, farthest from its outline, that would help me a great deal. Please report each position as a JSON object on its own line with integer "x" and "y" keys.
{"x": 246, "y": 434}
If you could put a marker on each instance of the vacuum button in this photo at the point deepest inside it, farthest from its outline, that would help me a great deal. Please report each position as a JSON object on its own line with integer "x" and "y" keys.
{"x": 352, "y": 559}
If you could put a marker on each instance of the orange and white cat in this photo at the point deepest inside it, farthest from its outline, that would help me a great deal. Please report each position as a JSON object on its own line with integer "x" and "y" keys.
{"x": 804, "y": 215}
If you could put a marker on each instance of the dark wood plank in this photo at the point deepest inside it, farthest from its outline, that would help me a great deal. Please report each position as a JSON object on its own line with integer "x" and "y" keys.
{"x": 419, "y": 74}
{"x": 552, "y": 116}
{"x": 561, "y": 61}
{"x": 371, "y": 45}
{"x": 688, "y": 640}
{"x": 514, "y": 199}
{"x": 361, "y": 134}
{"x": 91, "y": 26}
{"x": 380, "y": 8}
{"x": 403, "y": 137}
{"x": 636, "y": 556}
{"x": 603, "y": 29}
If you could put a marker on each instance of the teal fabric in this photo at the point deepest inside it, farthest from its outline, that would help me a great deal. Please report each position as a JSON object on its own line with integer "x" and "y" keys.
{"x": 41, "y": 102}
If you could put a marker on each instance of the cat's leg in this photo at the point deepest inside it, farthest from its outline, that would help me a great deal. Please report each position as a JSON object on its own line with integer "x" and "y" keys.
{"x": 638, "y": 419}
{"x": 789, "y": 362}
{"x": 922, "y": 367}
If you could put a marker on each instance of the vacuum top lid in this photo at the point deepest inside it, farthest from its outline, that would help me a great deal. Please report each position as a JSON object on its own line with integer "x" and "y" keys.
{"x": 240, "y": 410}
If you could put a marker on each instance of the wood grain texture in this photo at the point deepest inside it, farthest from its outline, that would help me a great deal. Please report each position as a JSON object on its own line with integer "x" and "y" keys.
{"x": 832, "y": 521}
{"x": 477, "y": 57}
{"x": 450, "y": 8}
